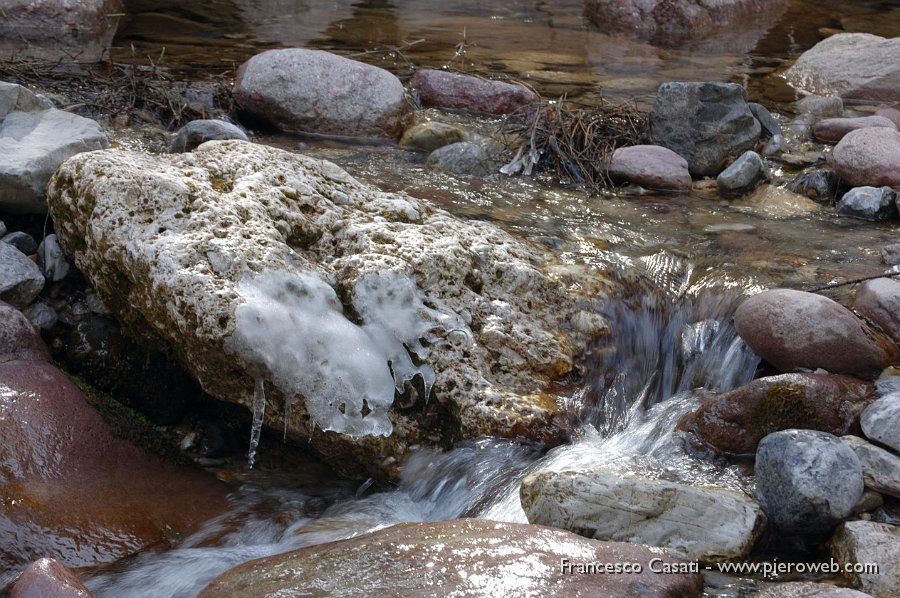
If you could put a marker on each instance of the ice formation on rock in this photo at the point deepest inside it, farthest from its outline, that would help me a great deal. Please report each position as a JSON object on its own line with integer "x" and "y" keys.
{"x": 294, "y": 325}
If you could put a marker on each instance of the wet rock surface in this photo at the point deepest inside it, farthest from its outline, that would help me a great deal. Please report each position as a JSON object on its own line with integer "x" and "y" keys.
{"x": 744, "y": 174}
{"x": 834, "y": 129}
{"x": 456, "y": 91}
{"x": 793, "y": 329}
{"x": 231, "y": 211}
{"x": 468, "y": 158}
{"x": 466, "y": 557}
{"x": 310, "y": 91}
{"x": 703, "y": 122}
{"x": 869, "y": 203}
{"x": 606, "y": 506}
{"x": 734, "y": 422}
{"x": 852, "y": 65}
{"x": 650, "y": 166}
{"x": 72, "y": 490}
{"x": 48, "y": 578}
{"x": 199, "y": 131}
{"x": 806, "y": 481}
{"x": 429, "y": 136}
{"x": 881, "y": 421}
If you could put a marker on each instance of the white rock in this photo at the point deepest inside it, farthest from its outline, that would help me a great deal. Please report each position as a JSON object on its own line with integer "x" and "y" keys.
{"x": 20, "y": 279}
{"x": 881, "y": 469}
{"x": 866, "y": 543}
{"x": 52, "y": 259}
{"x": 881, "y": 421}
{"x": 708, "y": 524}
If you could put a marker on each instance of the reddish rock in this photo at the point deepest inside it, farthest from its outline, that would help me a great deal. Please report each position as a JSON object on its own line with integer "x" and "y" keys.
{"x": 71, "y": 490}
{"x": 311, "y": 91}
{"x": 879, "y": 302}
{"x": 834, "y": 129}
{"x": 48, "y": 578}
{"x": 851, "y": 65}
{"x": 651, "y": 166}
{"x": 793, "y": 329}
{"x": 443, "y": 89}
{"x": 734, "y": 422}
{"x": 667, "y": 22}
{"x": 869, "y": 157}
{"x": 464, "y": 557}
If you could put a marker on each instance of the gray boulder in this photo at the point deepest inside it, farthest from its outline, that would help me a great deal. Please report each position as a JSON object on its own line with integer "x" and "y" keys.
{"x": 199, "y": 131}
{"x": 806, "y": 481}
{"x": 866, "y": 543}
{"x": 881, "y": 421}
{"x": 851, "y": 65}
{"x": 709, "y": 524}
{"x": 33, "y": 143}
{"x": 21, "y": 241}
{"x": 53, "y": 30}
{"x": 890, "y": 254}
{"x": 794, "y": 329}
{"x": 706, "y": 123}
{"x": 869, "y": 203}
{"x": 311, "y": 91}
{"x": 878, "y": 301}
{"x": 744, "y": 174}
{"x": 770, "y": 126}
{"x": 881, "y": 469}
{"x": 52, "y": 259}
{"x": 20, "y": 279}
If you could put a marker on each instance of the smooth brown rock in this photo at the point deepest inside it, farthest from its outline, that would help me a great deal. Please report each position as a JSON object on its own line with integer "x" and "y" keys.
{"x": 48, "y": 578}
{"x": 794, "y": 329}
{"x": 70, "y": 489}
{"x": 443, "y": 89}
{"x": 734, "y": 422}
{"x": 834, "y": 129}
{"x": 311, "y": 91}
{"x": 869, "y": 157}
{"x": 651, "y": 166}
{"x": 879, "y": 302}
{"x": 464, "y": 557}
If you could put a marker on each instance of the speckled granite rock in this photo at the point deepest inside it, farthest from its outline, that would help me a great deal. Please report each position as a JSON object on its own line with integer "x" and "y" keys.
{"x": 171, "y": 243}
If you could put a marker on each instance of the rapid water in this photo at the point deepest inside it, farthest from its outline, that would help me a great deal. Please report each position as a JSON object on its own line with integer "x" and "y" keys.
{"x": 666, "y": 343}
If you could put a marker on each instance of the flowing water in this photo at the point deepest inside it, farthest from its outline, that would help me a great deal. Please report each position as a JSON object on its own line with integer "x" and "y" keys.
{"x": 691, "y": 258}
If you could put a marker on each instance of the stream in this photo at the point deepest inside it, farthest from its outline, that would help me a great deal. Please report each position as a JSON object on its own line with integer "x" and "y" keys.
{"x": 691, "y": 257}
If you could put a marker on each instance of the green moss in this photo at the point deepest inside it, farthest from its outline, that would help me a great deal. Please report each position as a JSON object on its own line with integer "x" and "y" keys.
{"x": 129, "y": 425}
{"x": 784, "y": 406}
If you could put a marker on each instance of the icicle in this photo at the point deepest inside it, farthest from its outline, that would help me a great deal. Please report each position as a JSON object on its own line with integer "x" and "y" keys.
{"x": 288, "y": 403}
{"x": 259, "y": 412}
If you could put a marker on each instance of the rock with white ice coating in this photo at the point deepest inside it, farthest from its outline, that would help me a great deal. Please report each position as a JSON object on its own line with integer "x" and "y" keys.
{"x": 256, "y": 263}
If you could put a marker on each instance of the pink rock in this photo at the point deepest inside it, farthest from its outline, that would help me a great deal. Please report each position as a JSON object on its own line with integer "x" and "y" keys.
{"x": 793, "y": 329}
{"x": 834, "y": 129}
{"x": 71, "y": 489}
{"x": 48, "y": 578}
{"x": 310, "y": 91}
{"x": 443, "y": 89}
{"x": 890, "y": 113}
{"x": 650, "y": 166}
{"x": 869, "y": 157}
{"x": 879, "y": 302}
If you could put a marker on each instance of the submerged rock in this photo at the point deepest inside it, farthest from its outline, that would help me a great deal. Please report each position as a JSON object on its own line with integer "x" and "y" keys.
{"x": 865, "y": 543}
{"x": 734, "y": 422}
{"x": 869, "y": 157}
{"x": 650, "y": 166}
{"x": 200, "y": 131}
{"x": 254, "y": 263}
{"x": 794, "y": 329}
{"x": 311, "y": 91}
{"x": 707, "y": 524}
{"x": 429, "y": 136}
{"x": 34, "y": 140}
{"x": 827, "y": 106}
{"x": 465, "y": 157}
{"x": 443, "y": 89}
{"x": 464, "y": 557}
{"x": 834, "y": 129}
{"x": 876, "y": 204}
{"x": 820, "y": 184}
{"x": 703, "y": 122}
{"x": 852, "y": 65}
{"x": 72, "y": 490}
{"x": 48, "y": 578}
{"x": 806, "y": 481}
{"x": 58, "y": 30}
